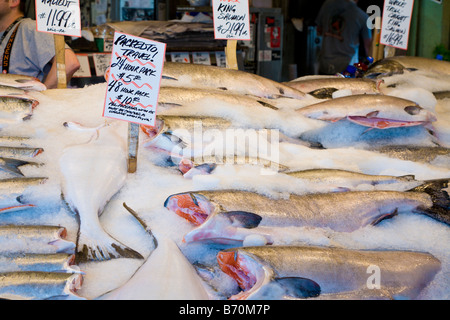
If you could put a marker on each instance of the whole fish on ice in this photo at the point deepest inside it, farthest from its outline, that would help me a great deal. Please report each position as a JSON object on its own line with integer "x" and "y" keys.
{"x": 165, "y": 275}
{"x": 373, "y": 111}
{"x": 22, "y": 82}
{"x": 30, "y": 285}
{"x": 211, "y": 77}
{"x": 299, "y": 272}
{"x": 401, "y": 64}
{"x": 20, "y": 153}
{"x": 431, "y": 155}
{"x": 179, "y": 96}
{"x": 92, "y": 173}
{"x": 40, "y": 239}
{"x": 344, "y": 180}
{"x": 324, "y": 88}
{"x": 229, "y": 216}
{"x": 17, "y": 190}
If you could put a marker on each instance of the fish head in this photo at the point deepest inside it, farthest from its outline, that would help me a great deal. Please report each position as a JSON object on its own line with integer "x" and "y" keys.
{"x": 259, "y": 281}
{"x": 153, "y": 131}
{"x": 188, "y": 168}
{"x": 213, "y": 224}
{"x": 195, "y": 208}
{"x": 383, "y": 68}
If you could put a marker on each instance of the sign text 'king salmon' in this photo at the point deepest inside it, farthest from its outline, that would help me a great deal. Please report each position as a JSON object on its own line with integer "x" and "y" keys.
{"x": 134, "y": 79}
{"x": 231, "y": 19}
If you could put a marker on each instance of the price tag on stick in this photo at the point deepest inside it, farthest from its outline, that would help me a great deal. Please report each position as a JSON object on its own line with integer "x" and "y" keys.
{"x": 133, "y": 85}
{"x": 231, "y": 22}
{"x": 62, "y": 18}
{"x": 396, "y": 23}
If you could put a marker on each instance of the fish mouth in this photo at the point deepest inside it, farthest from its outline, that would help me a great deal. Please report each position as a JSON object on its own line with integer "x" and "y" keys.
{"x": 382, "y": 123}
{"x": 192, "y": 207}
{"x": 248, "y": 273}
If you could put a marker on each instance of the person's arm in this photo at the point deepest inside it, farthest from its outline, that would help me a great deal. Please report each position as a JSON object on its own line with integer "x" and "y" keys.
{"x": 72, "y": 65}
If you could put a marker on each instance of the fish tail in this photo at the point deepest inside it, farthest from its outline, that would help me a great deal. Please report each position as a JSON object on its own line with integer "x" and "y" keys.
{"x": 438, "y": 191}
{"x": 13, "y": 166}
{"x": 102, "y": 247}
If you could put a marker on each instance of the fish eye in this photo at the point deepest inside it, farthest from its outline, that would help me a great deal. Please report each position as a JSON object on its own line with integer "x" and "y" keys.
{"x": 413, "y": 110}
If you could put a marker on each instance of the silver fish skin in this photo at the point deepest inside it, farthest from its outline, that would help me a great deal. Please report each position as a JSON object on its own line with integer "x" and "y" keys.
{"x": 22, "y": 82}
{"x": 344, "y": 180}
{"x": 207, "y": 163}
{"x": 15, "y": 108}
{"x": 20, "y": 190}
{"x": 40, "y": 286}
{"x": 280, "y": 272}
{"x": 211, "y": 77}
{"x": 417, "y": 153}
{"x": 229, "y": 216}
{"x": 40, "y": 239}
{"x": 7, "y": 91}
{"x": 399, "y": 64}
{"x": 370, "y": 107}
{"x": 57, "y": 262}
{"x": 324, "y": 88}
{"x": 180, "y": 96}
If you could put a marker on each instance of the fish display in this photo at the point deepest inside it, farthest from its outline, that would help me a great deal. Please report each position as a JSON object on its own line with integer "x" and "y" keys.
{"x": 229, "y": 216}
{"x": 15, "y": 108}
{"x": 401, "y": 64}
{"x": 30, "y": 285}
{"x": 301, "y": 272}
{"x": 92, "y": 173}
{"x": 344, "y": 180}
{"x": 323, "y": 88}
{"x": 21, "y": 82}
{"x": 211, "y": 77}
{"x": 373, "y": 111}
{"x": 57, "y": 262}
{"x": 41, "y": 239}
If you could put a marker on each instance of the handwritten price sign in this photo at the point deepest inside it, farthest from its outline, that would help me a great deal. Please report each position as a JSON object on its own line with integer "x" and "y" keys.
{"x": 59, "y": 17}
{"x": 396, "y": 23}
{"x": 134, "y": 79}
{"x": 231, "y": 19}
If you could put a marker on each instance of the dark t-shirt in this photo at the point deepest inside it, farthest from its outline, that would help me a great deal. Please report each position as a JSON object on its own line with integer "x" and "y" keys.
{"x": 342, "y": 23}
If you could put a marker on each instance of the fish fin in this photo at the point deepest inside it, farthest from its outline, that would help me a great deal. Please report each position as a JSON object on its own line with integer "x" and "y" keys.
{"x": 12, "y": 165}
{"x": 372, "y": 114}
{"x": 298, "y": 287}
{"x": 244, "y": 219}
{"x": 267, "y": 105}
{"x": 102, "y": 247}
{"x": 142, "y": 223}
{"x": 323, "y": 93}
{"x": 438, "y": 191}
{"x": 169, "y": 78}
{"x": 384, "y": 217}
{"x": 367, "y": 130}
{"x": 411, "y": 69}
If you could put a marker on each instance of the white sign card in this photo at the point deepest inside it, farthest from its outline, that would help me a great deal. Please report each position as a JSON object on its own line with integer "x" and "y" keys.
{"x": 221, "y": 59}
{"x": 134, "y": 79}
{"x": 182, "y": 57}
{"x": 85, "y": 68}
{"x": 201, "y": 58}
{"x": 59, "y": 17}
{"x": 101, "y": 63}
{"x": 231, "y": 19}
{"x": 396, "y": 23}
